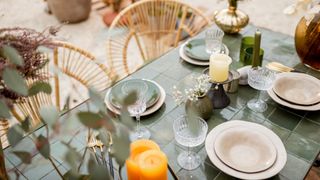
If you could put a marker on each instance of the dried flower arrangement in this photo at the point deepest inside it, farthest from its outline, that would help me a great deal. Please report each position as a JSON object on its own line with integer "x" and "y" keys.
{"x": 26, "y": 43}
{"x": 198, "y": 89}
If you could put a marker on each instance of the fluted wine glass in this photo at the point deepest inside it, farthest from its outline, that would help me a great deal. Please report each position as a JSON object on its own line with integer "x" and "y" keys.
{"x": 138, "y": 107}
{"x": 189, "y": 131}
{"x": 262, "y": 79}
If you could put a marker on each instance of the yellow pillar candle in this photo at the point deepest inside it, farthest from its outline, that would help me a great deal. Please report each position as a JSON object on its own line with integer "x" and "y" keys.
{"x": 136, "y": 148}
{"x": 219, "y": 67}
{"x": 153, "y": 165}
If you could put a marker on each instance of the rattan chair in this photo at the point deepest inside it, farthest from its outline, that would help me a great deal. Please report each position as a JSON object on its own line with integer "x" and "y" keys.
{"x": 65, "y": 61}
{"x": 147, "y": 29}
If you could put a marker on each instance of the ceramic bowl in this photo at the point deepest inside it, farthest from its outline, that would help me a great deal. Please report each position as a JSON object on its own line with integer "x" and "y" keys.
{"x": 298, "y": 88}
{"x": 245, "y": 150}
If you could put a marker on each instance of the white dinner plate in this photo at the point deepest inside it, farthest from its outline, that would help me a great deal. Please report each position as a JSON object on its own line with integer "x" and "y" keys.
{"x": 272, "y": 171}
{"x": 193, "y": 61}
{"x": 149, "y": 111}
{"x": 272, "y": 94}
{"x": 245, "y": 149}
{"x": 297, "y": 88}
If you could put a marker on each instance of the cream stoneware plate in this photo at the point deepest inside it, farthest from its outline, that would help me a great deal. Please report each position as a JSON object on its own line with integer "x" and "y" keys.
{"x": 276, "y": 141}
{"x": 272, "y": 94}
{"x": 149, "y": 111}
{"x": 193, "y": 61}
{"x": 297, "y": 88}
{"x": 245, "y": 149}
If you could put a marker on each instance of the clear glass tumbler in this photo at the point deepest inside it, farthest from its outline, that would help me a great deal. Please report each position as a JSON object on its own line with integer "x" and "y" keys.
{"x": 190, "y": 132}
{"x": 213, "y": 39}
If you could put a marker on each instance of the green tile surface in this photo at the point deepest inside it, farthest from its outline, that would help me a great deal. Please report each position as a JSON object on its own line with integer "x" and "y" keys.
{"x": 295, "y": 168}
{"x": 309, "y": 129}
{"x": 302, "y": 147}
{"x": 299, "y": 130}
{"x": 284, "y": 118}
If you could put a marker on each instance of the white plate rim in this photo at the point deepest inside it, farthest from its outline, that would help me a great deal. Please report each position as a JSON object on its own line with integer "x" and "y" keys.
{"x": 264, "y": 138}
{"x": 194, "y": 62}
{"x": 278, "y": 100}
{"x": 272, "y": 171}
{"x": 296, "y": 75}
{"x": 149, "y": 111}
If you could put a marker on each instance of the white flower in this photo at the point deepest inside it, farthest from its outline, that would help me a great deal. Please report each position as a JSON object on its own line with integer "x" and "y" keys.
{"x": 199, "y": 89}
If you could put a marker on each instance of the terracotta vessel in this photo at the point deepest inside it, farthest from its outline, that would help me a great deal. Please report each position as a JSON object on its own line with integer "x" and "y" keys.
{"x": 71, "y": 11}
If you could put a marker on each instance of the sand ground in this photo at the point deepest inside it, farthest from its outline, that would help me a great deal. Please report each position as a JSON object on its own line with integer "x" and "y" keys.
{"x": 89, "y": 34}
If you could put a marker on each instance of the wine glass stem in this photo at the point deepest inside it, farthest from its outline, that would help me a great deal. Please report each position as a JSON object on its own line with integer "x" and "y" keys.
{"x": 189, "y": 153}
{"x": 259, "y": 99}
{"x": 138, "y": 126}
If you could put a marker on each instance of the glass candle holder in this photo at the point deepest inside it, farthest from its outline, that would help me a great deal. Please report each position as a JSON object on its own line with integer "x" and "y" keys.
{"x": 246, "y": 42}
{"x": 248, "y": 56}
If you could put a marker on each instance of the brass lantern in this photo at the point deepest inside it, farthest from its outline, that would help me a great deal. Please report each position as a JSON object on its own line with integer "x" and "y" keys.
{"x": 231, "y": 20}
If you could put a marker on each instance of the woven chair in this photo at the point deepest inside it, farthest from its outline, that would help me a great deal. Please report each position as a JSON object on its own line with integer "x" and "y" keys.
{"x": 65, "y": 61}
{"x": 147, "y": 29}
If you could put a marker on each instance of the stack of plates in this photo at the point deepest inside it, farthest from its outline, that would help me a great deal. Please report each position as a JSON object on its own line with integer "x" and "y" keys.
{"x": 155, "y": 97}
{"x": 194, "y": 52}
{"x": 297, "y": 91}
{"x": 246, "y": 150}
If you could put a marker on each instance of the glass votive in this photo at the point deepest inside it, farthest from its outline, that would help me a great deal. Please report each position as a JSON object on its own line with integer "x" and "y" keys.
{"x": 219, "y": 67}
{"x": 213, "y": 39}
{"x": 246, "y": 42}
{"x": 248, "y": 56}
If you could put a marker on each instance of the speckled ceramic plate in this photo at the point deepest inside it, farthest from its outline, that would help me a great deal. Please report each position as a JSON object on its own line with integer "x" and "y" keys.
{"x": 245, "y": 149}
{"x": 153, "y": 93}
{"x": 195, "y": 61}
{"x": 297, "y": 88}
{"x": 196, "y": 49}
{"x": 270, "y": 172}
{"x": 149, "y": 111}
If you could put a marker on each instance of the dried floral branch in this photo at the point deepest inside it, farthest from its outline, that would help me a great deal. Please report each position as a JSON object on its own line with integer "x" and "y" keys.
{"x": 26, "y": 42}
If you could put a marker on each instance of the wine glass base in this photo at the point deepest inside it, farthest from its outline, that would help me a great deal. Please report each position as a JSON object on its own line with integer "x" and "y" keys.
{"x": 190, "y": 162}
{"x": 143, "y": 133}
{"x": 257, "y": 105}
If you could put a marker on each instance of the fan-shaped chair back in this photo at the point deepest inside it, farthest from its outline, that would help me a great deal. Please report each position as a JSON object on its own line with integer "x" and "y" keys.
{"x": 149, "y": 28}
{"x": 66, "y": 61}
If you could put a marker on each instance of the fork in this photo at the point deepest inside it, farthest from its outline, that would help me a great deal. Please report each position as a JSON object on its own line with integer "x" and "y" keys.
{"x": 108, "y": 153}
{"x": 100, "y": 145}
{"x": 92, "y": 144}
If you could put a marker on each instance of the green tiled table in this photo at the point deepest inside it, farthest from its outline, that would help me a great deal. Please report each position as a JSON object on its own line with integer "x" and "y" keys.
{"x": 299, "y": 130}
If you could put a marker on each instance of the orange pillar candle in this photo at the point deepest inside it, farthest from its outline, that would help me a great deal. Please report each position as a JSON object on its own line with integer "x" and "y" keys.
{"x": 153, "y": 165}
{"x": 142, "y": 145}
{"x": 133, "y": 170}
{"x": 136, "y": 148}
